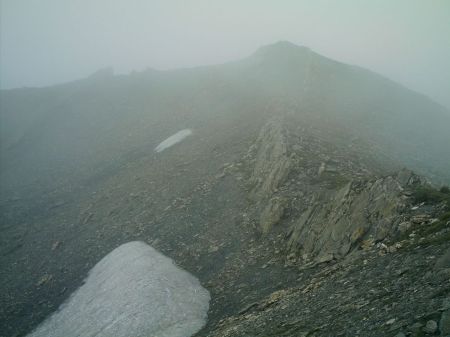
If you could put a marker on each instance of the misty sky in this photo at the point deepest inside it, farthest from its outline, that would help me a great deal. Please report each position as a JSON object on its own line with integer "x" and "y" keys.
{"x": 50, "y": 41}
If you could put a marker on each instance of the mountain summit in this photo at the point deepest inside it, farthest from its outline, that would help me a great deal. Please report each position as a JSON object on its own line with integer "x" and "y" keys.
{"x": 280, "y": 48}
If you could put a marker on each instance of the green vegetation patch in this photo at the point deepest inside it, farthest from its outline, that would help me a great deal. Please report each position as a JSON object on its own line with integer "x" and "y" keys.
{"x": 445, "y": 216}
{"x": 431, "y": 195}
{"x": 445, "y": 189}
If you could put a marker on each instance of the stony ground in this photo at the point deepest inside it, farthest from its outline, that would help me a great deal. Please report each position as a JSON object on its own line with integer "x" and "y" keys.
{"x": 225, "y": 212}
{"x": 370, "y": 293}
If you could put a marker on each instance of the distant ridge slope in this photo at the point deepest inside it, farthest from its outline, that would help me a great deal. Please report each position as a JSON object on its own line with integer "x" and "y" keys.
{"x": 67, "y": 121}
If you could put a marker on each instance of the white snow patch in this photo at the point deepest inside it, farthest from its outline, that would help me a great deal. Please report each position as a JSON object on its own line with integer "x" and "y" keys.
{"x": 172, "y": 140}
{"x": 134, "y": 291}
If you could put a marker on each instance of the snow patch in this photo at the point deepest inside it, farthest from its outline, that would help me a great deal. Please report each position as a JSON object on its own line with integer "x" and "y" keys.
{"x": 134, "y": 291}
{"x": 172, "y": 140}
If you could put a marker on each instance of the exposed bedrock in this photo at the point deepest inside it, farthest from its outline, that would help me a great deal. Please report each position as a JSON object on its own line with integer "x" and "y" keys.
{"x": 361, "y": 210}
{"x": 271, "y": 166}
{"x": 328, "y": 221}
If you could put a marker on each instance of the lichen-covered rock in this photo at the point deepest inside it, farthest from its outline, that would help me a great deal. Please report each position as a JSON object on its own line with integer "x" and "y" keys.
{"x": 272, "y": 213}
{"x": 271, "y": 160}
{"x": 271, "y": 167}
{"x": 336, "y": 224}
{"x": 332, "y": 210}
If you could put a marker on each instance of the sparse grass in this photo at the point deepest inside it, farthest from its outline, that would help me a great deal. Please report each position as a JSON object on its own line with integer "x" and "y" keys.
{"x": 432, "y": 228}
{"x": 437, "y": 240}
{"x": 445, "y": 189}
{"x": 430, "y": 195}
{"x": 445, "y": 216}
{"x": 430, "y": 233}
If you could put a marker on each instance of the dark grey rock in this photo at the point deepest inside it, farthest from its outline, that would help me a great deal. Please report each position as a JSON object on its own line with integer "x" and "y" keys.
{"x": 416, "y": 327}
{"x": 444, "y": 323}
{"x": 443, "y": 261}
{"x": 442, "y": 275}
{"x": 430, "y": 327}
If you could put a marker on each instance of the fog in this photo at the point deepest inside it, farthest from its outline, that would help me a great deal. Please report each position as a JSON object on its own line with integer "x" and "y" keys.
{"x": 170, "y": 166}
{"x": 44, "y": 42}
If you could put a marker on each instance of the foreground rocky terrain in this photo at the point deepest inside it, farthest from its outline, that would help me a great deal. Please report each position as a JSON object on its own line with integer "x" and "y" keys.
{"x": 288, "y": 200}
{"x": 400, "y": 288}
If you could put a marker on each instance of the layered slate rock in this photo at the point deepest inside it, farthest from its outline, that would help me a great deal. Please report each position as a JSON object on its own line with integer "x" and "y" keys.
{"x": 326, "y": 203}
{"x": 133, "y": 291}
{"x": 360, "y": 210}
{"x": 271, "y": 162}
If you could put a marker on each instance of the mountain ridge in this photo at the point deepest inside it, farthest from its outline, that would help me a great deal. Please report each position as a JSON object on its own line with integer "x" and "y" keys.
{"x": 293, "y": 171}
{"x": 272, "y": 48}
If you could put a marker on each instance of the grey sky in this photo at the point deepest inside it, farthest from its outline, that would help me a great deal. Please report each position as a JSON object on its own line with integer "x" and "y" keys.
{"x": 50, "y": 41}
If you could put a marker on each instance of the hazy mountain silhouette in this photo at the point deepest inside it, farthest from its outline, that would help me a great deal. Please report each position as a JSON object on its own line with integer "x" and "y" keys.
{"x": 103, "y": 117}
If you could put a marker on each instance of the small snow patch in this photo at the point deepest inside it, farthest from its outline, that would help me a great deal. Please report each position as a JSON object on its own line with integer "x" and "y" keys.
{"x": 172, "y": 140}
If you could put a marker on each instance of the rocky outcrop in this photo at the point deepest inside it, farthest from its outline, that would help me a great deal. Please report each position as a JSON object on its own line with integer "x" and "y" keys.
{"x": 272, "y": 213}
{"x": 335, "y": 209}
{"x": 271, "y": 164}
{"x": 361, "y": 210}
{"x": 373, "y": 295}
{"x": 271, "y": 161}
